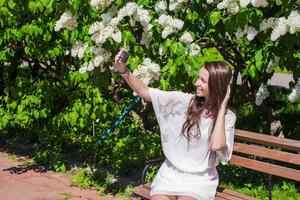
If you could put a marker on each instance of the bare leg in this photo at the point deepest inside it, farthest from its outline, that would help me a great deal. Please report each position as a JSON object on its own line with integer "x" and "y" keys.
{"x": 185, "y": 197}
{"x": 162, "y": 197}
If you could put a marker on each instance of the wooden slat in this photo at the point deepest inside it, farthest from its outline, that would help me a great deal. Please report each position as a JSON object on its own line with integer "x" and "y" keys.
{"x": 147, "y": 185}
{"x": 292, "y": 174}
{"x": 232, "y": 195}
{"x": 226, "y": 196}
{"x": 219, "y": 196}
{"x": 267, "y": 153}
{"x": 238, "y": 195}
{"x": 289, "y": 144}
{"x": 142, "y": 192}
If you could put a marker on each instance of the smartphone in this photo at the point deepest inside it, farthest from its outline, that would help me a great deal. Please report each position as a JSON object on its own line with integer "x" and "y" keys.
{"x": 124, "y": 56}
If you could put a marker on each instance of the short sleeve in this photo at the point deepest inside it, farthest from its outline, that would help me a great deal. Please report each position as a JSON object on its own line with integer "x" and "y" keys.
{"x": 224, "y": 155}
{"x": 165, "y": 102}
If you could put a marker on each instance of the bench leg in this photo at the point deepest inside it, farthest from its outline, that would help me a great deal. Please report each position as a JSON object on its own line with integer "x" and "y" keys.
{"x": 270, "y": 186}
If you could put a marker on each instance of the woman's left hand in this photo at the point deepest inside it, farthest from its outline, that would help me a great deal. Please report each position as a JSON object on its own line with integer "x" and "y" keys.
{"x": 227, "y": 96}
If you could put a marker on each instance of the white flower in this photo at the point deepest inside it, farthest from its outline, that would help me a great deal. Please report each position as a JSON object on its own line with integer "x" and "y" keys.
{"x": 233, "y": 8}
{"x": 163, "y": 20}
{"x": 67, "y": 21}
{"x": 173, "y": 5}
{"x": 90, "y": 66}
{"x": 259, "y": 3}
{"x": 240, "y": 33}
{"x": 278, "y": 2}
{"x": 261, "y": 94}
{"x": 147, "y": 36}
{"x": 167, "y": 31}
{"x": 101, "y": 56}
{"x": 177, "y": 23}
{"x": 295, "y": 94}
{"x": 147, "y": 72}
{"x": 161, "y": 6}
{"x": 95, "y": 27}
{"x": 186, "y": 38}
{"x": 251, "y": 33}
{"x": 78, "y": 49}
{"x": 209, "y": 1}
{"x": 272, "y": 64}
{"x": 294, "y": 22}
{"x": 267, "y": 23}
{"x": 117, "y": 36}
{"x": 194, "y": 50}
{"x": 166, "y": 20}
{"x": 106, "y": 18}
{"x": 83, "y": 69}
{"x": 244, "y": 3}
{"x": 169, "y": 24}
{"x": 114, "y": 22}
{"x": 101, "y": 3}
{"x": 221, "y": 5}
{"x": 280, "y": 29}
{"x": 161, "y": 49}
{"x": 284, "y": 25}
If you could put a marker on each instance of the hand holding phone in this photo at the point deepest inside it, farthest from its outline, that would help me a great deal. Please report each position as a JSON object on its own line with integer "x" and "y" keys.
{"x": 124, "y": 56}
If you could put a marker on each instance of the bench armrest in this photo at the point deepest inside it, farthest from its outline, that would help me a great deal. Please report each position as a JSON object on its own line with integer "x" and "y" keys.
{"x": 148, "y": 164}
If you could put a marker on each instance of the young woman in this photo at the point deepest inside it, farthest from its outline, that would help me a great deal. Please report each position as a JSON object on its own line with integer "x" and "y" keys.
{"x": 197, "y": 132}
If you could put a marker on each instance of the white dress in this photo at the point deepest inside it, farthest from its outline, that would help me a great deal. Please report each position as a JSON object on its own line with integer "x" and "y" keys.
{"x": 189, "y": 169}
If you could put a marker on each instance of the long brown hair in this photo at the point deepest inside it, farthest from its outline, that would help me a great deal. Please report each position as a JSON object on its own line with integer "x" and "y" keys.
{"x": 218, "y": 80}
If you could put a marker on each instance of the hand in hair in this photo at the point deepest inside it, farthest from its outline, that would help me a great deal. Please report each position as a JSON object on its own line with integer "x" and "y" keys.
{"x": 227, "y": 96}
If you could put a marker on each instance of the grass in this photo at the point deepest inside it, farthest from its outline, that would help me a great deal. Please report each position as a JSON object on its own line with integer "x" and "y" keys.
{"x": 104, "y": 183}
{"x": 13, "y": 157}
{"x": 286, "y": 191}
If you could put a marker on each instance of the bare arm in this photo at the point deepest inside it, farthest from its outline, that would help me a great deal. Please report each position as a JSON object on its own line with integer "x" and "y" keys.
{"x": 135, "y": 84}
{"x": 218, "y": 138}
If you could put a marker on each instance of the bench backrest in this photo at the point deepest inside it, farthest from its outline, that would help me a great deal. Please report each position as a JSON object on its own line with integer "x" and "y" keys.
{"x": 262, "y": 152}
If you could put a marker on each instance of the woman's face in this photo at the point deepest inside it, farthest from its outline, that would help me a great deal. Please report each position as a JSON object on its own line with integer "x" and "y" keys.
{"x": 202, "y": 83}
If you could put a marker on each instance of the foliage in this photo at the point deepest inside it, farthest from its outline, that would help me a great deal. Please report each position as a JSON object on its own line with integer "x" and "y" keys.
{"x": 58, "y": 89}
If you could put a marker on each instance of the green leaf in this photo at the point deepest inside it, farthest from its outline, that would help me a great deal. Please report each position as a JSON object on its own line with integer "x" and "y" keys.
{"x": 4, "y": 11}
{"x": 36, "y": 114}
{"x": 252, "y": 71}
{"x": 128, "y": 37}
{"x": 2, "y": 2}
{"x": 258, "y": 59}
{"x": 143, "y": 2}
{"x": 180, "y": 60}
{"x": 81, "y": 123}
{"x": 241, "y": 19}
{"x": 164, "y": 84}
{"x": 43, "y": 113}
{"x": 168, "y": 65}
{"x": 173, "y": 69}
{"x": 173, "y": 48}
{"x": 11, "y": 4}
{"x": 192, "y": 16}
{"x": 13, "y": 105}
{"x": 215, "y": 17}
{"x": 167, "y": 43}
{"x": 133, "y": 62}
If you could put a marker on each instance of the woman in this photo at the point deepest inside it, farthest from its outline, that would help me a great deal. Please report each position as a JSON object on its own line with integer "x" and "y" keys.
{"x": 197, "y": 132}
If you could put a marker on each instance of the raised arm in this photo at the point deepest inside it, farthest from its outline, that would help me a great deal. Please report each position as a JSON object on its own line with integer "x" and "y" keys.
{"x": 218, "y": 137}
{"x": 136, "y": 85}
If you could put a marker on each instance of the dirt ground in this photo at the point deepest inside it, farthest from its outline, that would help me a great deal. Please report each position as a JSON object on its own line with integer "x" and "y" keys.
{"x": 18, "y": 181}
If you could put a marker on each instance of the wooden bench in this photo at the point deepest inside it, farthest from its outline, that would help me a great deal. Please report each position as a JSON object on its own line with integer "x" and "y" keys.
{"x": 264, "y": 153}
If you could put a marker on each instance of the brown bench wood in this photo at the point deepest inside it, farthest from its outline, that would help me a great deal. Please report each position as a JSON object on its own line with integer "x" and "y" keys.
{"x": 256, "y": 151}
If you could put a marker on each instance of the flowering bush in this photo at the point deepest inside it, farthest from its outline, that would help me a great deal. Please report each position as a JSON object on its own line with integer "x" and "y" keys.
{"x": 63, "y": 49}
